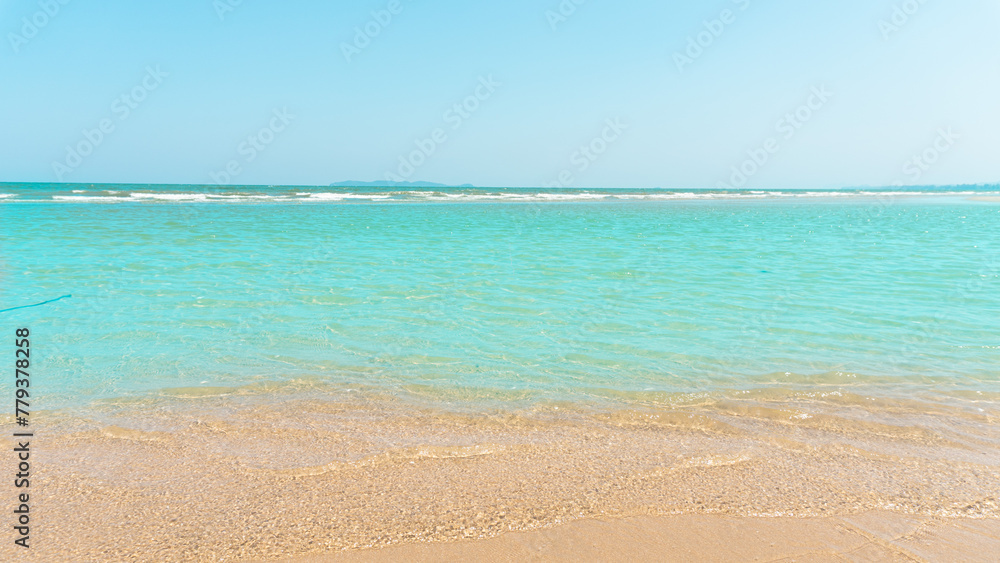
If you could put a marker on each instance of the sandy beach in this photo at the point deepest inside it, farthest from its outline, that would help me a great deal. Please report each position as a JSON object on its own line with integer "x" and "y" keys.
{"x": 874, "y": 536}
{"x": 238, "y": 478}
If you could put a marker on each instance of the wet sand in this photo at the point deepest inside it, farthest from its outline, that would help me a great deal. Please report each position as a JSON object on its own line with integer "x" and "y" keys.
{"x": 874, "y": 536}
{"x": 227, "y": 478}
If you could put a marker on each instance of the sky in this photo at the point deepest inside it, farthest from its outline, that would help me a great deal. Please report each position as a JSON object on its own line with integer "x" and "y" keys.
{"x": 574, "y": 93}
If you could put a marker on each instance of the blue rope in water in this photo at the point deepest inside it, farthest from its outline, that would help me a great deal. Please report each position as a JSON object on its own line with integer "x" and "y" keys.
{"x": 36, "y": 304}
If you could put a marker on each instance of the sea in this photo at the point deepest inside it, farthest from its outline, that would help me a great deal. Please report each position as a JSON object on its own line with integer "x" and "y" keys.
{"x": 486, "y": 299}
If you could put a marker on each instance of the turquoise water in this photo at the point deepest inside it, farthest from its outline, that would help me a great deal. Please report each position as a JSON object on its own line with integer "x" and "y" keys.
{"x": 512, "y": 295}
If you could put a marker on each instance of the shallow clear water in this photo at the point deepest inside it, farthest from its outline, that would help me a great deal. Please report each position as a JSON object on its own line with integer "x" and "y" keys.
{"x": 513, "y": 296}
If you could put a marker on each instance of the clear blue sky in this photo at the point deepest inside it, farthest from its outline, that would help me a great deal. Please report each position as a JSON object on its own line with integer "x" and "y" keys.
{"x": 556, "y": 85}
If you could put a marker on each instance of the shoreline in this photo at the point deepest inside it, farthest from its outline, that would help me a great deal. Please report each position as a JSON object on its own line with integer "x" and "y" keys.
{"x": 223, "y": 478}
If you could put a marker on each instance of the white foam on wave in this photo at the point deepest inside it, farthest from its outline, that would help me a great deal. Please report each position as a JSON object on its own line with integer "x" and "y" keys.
{"x": 326, "y": 196}
{"x": 498, "y": 196}
{"x": 88, "y": 199}
{"x": 242, "y": 197}
{"x": 169, "y": 197}
{"x": 578, "y": 196}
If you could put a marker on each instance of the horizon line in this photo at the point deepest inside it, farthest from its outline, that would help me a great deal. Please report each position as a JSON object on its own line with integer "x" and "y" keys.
{"x": 472, "y": 186}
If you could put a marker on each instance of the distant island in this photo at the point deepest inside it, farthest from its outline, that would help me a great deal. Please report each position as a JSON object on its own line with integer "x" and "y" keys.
{"x": 388, "y": 184}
